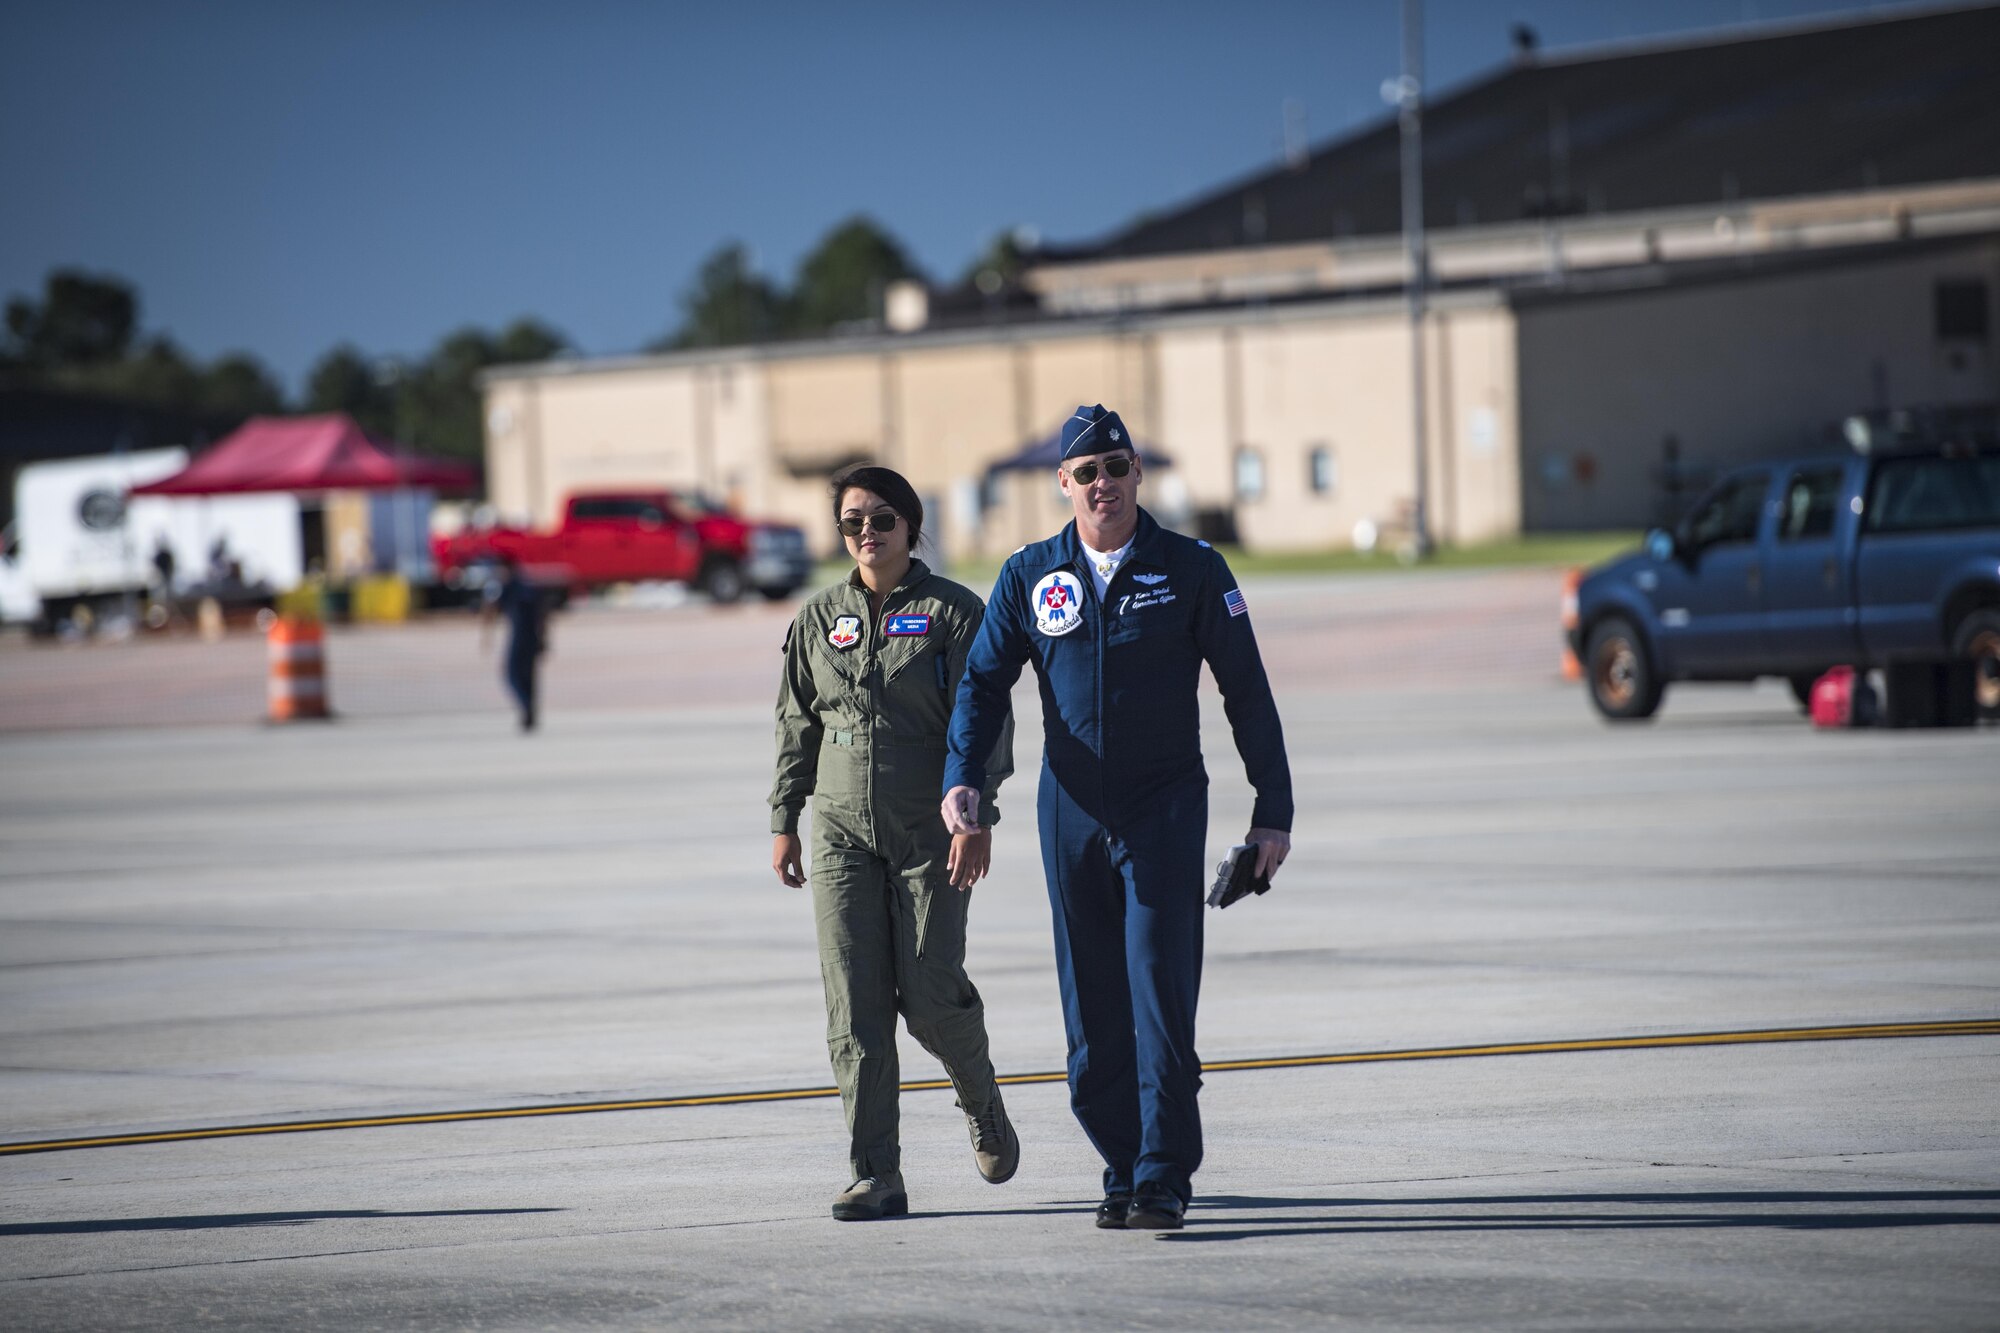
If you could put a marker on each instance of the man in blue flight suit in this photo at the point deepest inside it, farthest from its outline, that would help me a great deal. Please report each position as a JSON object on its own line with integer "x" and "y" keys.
{"x": 1118, "y": 614}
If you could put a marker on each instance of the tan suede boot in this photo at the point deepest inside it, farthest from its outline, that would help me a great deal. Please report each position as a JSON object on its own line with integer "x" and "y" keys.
{"x": 996, "y": 1148}
{"x": 872, "y": 1197}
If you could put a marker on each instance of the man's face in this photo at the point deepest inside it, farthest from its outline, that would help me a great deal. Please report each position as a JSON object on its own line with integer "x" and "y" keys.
{"x": 1103, "y": 500}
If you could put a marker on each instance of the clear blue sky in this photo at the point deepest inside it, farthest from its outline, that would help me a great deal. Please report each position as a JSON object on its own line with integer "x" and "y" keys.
{"x": 282, "y": 177}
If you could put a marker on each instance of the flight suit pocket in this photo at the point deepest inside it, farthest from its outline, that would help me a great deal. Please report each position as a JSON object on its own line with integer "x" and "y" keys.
{"x": 940, "y": 921}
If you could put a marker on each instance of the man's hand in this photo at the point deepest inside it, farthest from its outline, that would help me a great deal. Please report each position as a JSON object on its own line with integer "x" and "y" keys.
{"x": 1273, "y": 846}
{"x": 961, "y": 810}
{"x": 971, "y": 857}
{"x": 787, "y": 860}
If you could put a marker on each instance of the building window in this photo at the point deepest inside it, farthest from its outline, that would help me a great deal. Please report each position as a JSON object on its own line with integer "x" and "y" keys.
{"x": 1322, "y": 472}
{"x": 1249, "y": 474}
{"x": 1962, "y": 309}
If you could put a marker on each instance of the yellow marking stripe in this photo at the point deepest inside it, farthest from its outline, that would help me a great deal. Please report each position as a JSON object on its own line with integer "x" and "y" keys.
{"x": 1858, "y": 1032}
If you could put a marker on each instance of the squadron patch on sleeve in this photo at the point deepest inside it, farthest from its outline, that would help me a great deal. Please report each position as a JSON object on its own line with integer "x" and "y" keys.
{"x": 846, "y": 632}
{"x": 1057, "y": 605}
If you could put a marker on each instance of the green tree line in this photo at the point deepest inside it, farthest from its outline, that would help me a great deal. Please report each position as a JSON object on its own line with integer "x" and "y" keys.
{"x": 83, "y": 334}
{"x": 840, "y": 282}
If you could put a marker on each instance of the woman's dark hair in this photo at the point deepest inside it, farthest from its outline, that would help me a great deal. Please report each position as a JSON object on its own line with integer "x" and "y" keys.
{"x": 887, "y": 483}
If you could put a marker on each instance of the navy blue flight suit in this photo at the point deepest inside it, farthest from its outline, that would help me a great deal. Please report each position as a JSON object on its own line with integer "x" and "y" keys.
{"x": 1124, "y": 811}
{"x": 520, "y": 602}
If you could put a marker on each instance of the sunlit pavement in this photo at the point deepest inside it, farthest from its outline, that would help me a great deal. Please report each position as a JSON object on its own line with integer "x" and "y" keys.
{"x": 418, "y": 910}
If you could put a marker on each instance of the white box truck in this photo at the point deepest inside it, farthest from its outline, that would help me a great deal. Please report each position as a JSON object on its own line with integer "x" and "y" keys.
{"x": 86, "y": 545}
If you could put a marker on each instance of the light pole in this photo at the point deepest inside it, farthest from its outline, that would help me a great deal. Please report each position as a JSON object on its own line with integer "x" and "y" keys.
{"x": 1410, "y": 118}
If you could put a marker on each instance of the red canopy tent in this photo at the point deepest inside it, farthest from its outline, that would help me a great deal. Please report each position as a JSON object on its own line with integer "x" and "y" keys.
{"x": 305, "y": 454}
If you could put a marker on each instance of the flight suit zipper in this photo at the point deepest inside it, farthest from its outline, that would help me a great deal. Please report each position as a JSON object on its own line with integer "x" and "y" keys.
{"x": 1082, "y": 570}
{"x": 1103, "y": 653}
{"x": 873, "y": 710}
{"x": 876, "y": 670}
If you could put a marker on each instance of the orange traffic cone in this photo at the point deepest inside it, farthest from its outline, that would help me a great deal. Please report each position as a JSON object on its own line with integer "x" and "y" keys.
{"x": 298, "y": 670}
{"x": 1571, "y": 668}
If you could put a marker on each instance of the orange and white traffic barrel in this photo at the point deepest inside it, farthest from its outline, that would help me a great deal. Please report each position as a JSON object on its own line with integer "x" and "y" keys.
{"x": 1571, "y": 668}
{"x": 298, "y": 670}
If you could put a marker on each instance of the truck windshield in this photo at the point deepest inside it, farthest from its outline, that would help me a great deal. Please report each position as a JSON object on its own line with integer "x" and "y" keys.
{"x": 689, "y": 505}
{"x": 1934, "y": 494}
{"x": 642, "y": 511}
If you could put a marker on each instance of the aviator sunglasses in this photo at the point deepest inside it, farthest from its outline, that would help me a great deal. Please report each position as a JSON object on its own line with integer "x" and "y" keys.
{"x": 854, "y": 527}
{"x": 1085, "y": 473}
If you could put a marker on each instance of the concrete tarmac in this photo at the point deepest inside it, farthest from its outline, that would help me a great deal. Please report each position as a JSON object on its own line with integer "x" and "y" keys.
{"x": 234, "y": 925}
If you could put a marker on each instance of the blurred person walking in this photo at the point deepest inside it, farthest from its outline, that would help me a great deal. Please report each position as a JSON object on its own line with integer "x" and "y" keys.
{"x": 1118, "y": 615}
{"x": 515, "y": 597}
{"x": 871, "y": 667}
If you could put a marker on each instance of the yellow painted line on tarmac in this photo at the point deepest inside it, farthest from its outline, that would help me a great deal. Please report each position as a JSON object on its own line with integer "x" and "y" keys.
{"x": 1855, "y": 1032}
{"x": 1859, "y": 1032}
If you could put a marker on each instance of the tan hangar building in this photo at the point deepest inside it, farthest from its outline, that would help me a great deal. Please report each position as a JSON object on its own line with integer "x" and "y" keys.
{"x": 1646, "y": 263}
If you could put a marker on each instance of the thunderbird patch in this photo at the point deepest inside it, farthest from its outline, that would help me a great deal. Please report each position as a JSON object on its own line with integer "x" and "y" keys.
{"x": 846, "y": 632}
{"x": 1057, "y": 605}
{"x": 903, "y": 627}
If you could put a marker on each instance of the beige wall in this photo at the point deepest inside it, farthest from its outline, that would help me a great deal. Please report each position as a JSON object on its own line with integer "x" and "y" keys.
{"x": 695, "y": 427}
{"x": 1736, "y": 371}
{"x": 959, "y": 409}
{"x": 764, "y": 430}
{"x": 1475, "y": 481}
{"x": 1285, "y": 388}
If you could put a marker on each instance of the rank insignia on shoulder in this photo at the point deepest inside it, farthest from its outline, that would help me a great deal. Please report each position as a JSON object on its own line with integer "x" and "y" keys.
{"x": 903, "y": 627}
{"x": 846, "y": 632}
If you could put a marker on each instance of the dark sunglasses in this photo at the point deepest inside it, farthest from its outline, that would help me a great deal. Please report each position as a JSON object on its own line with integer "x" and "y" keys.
{"x": 854, "y": 527}
{"x": 1085, "y": 473}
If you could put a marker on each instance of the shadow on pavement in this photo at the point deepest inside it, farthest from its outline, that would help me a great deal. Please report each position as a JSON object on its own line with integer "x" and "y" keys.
{"x": 1483, "y": 1213}
{"x": 221, "y": 1221}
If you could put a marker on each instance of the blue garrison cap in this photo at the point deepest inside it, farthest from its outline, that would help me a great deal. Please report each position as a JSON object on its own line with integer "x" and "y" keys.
{"x": 1094, "y": 430}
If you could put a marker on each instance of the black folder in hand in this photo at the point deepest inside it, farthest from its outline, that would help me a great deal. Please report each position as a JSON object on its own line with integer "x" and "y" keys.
{"x": 1236, "y": 875}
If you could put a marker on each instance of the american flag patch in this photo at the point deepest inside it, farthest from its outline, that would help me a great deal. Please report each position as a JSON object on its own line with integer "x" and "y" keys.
{"x": 1233, "y": 599}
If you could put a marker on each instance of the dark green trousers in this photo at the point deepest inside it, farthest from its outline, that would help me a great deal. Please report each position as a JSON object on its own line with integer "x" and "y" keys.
{"x": 892, "y": 941}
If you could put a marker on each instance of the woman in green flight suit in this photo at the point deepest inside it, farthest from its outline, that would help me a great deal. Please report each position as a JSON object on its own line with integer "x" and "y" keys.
{"x": 871, "y": 669}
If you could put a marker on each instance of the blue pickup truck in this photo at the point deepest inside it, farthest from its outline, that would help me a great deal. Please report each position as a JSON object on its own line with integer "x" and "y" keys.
{"x": 1887, "y": 555}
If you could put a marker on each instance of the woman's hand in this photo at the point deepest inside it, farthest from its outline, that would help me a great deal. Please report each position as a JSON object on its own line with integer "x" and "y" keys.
{"x": 787, "y": 859}
{"x": 971, "y": 857}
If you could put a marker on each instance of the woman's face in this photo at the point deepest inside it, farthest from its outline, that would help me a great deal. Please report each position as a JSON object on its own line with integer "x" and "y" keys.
{"x": 874, "y": 549}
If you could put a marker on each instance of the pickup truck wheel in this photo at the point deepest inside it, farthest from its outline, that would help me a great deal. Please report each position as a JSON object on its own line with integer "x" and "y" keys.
{"x": 1622, "y": 681}
{"x": 1979, "y": 642}
{"x": 722, "y": 580}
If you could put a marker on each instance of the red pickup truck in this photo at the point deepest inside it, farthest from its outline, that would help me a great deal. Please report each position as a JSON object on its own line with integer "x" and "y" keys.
{"x": 629, "y": 536}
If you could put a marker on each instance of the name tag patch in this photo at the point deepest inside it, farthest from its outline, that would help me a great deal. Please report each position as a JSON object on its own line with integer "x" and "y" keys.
{"x": 904, "y": 627}
{"x": 1139, "y": 601}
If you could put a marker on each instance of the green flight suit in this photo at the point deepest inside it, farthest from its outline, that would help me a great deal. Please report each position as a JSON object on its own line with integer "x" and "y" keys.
{"x": 862, "y": 718}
